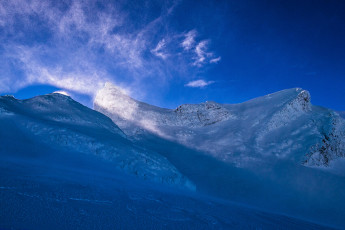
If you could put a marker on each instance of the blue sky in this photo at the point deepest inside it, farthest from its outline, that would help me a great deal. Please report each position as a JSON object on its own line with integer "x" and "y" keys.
{"x": 172, "y": 52}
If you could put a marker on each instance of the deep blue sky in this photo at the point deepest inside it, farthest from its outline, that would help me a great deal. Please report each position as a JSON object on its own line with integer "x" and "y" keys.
{"x": 173, "y": 52}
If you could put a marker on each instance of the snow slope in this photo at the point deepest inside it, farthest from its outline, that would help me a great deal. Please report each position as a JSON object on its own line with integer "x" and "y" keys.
{"x": 92, "y": 195}
{"x": 276, "y": 152}
{"x": 62, "y": 124}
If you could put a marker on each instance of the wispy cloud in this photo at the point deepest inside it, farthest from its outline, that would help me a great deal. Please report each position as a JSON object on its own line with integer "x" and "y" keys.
{"x": 85, "y": 78}
{"x": 69, "y": 55}
{"x": 79, "y": 45}
{"x": 159, "y": 50}
{"x": 189, "y": 40}
{"x": 199, "y": 83}
{"x": 215, "y": 60}
{"x": 201, "y": 53}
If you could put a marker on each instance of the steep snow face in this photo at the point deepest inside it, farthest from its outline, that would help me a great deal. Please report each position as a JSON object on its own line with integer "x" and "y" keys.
{"x": 57, "y": 122}
{"x": 282, "y": 125}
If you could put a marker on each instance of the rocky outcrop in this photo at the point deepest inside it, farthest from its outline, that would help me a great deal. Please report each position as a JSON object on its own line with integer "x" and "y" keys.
{"x": 331, "y": 146}
{"x": 203, "y": 114}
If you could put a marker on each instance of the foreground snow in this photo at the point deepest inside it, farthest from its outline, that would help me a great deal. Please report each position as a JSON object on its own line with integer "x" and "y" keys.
{"x": 87, "y": 193}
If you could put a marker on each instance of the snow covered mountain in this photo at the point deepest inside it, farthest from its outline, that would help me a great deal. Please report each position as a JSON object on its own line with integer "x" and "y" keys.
{"x": 282, "y": 125}
{"x": 57, "y": 122}
{"x": 65, "y": 166}
{"x": 70, "y": 167}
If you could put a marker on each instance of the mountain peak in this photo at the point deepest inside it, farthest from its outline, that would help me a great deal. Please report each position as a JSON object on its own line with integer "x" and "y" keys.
{"x": 61, "y": 92}
{"x": 10, "y": 97}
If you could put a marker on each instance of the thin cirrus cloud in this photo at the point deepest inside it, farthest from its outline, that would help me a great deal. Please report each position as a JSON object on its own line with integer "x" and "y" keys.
{"x": 199, "y": 83}
{"x": 201, "y": 53}
{"x": 215, "y": 60}
{"x": 78, "y": 46}
{"x": 189, "y": 40}
{"x": 159, "y": 50}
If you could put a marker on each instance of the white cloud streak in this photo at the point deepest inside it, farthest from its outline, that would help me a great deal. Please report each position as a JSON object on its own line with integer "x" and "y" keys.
{"x": 202, "y": 55}
{"x": 86, "y": 80}
{"x": 199, "y": 83}
{"x": 215, "y": 60}
{"x": 75, "y": 37}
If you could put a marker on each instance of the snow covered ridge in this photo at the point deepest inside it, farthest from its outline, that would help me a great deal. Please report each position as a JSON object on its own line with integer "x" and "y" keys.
{"x": 57, "y": 121}
{"x": 281, "y": 125}
{"x": 128, "y": 112}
